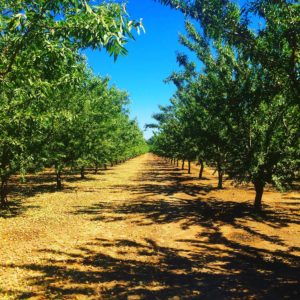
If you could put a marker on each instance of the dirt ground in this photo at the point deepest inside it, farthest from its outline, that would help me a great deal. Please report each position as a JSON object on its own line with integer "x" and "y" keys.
{"x": 147, "y": 230}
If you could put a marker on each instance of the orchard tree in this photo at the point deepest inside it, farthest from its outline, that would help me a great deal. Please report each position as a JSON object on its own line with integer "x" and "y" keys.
{"x": 53, "y": 30}
{"x": 40, "y": 46}
{"x": 248, "y": 88}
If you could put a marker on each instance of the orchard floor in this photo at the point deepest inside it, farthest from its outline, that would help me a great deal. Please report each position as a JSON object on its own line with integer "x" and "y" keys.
{"x": 147, "y": 230}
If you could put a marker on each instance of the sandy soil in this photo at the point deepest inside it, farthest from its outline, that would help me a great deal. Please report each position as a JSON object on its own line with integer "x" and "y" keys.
{"x": 147, "y": 230}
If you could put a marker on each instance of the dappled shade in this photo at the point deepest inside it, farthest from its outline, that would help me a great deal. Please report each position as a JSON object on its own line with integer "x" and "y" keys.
{"x": 174, "y": 238}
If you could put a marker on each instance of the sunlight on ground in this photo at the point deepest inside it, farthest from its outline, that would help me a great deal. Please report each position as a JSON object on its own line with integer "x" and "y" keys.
{"x": 146, "y": 230}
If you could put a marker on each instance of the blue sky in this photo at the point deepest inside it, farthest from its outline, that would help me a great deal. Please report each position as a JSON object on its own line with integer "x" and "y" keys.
{"x": 151, "y": 58}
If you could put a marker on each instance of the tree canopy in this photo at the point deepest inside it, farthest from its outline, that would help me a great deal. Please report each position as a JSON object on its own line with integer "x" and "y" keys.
{"x": 53, "y": 110}
{"x": 239, "y": 113}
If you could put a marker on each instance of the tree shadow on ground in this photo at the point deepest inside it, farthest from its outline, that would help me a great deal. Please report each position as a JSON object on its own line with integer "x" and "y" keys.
{"x": 157, "y": 272}
{"x": 158, "y": 203}
{"x": 36, "y": 184}
{"x": 18, "y": 193}
{"x": 166, "y": 203}
{"x": 175, "y": 187}
{"x": 158, "y": 180}
{"x": 14, "y": 209}
{"x": 218, "y": 267}
{"x": 210, "y": 266}
{"x": 193, "y": 212}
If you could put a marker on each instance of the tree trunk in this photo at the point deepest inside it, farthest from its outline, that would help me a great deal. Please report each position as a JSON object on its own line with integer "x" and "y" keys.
{"x": 177, "y": 163}
{"x": 189, "y": 167}
{"x": 96, "y": 169}
{"x": 220, "y": 176}
{"x": 259, "y": 190}
{"x": 82, "y": 176}
{"x": 201, "y": 168}
{"x": 58, "y": 180}
{"x": 3, "y": 191}
{"x": 182, "y": 166}
{"x": 111, "y": 164}
{"x": 105, "y": 166}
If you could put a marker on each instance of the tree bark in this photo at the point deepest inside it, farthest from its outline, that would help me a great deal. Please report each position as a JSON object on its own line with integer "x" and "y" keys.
{"x": 58, "y": 180}
{"x": 177, "y": 163}
{"x": 220, "y": 176}
{"x": 82, "y": 176}
{"x": 189, "y": 167}
{"x": 182, "y": 166}
{"x": 201, "y": 168}
{"x": 259, "y": 190}
{"x": 96, "y": 169}
{"x": 3, "y": 191}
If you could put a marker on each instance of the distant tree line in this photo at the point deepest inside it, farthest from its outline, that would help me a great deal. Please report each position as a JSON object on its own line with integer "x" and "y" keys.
{"x": 238, "y": 110}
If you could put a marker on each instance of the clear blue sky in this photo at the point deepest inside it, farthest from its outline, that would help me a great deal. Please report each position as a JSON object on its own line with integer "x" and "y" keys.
{"x": 151, "y": 58}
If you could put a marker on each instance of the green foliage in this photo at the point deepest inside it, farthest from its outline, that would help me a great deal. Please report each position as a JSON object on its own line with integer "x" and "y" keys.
{"x": 53, "y": 111}
{"x": 241, "y": 111}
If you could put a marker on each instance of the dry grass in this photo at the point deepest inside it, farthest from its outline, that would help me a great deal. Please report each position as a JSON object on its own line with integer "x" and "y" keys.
{"x": 146, "y": 230}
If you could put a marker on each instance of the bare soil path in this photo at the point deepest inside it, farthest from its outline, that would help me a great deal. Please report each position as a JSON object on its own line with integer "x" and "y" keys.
{"x": 147, "y": 230}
